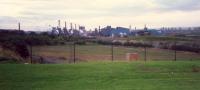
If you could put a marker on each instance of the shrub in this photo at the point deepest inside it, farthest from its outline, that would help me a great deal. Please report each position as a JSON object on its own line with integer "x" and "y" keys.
{"x": 81, "y": 42}
{"x": 138, "y": 44}
{"x": 185, "y": 48}
{"x": 22, "y": 50}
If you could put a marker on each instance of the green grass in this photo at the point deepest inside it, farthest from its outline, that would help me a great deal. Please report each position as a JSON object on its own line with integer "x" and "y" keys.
{"x": 161, "y": 75}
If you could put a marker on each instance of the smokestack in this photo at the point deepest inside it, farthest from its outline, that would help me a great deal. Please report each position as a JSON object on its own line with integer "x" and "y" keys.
{"x": 58, "y": 23}
{"x": 19, "y": 27}
{"x": 145, "y": 27}
{"x": 71, "y": 26}
{"x": 75, "y": 26}
{"x": 99, "y": 28}
{"x": 79, "y": 27}
{"x": 65, "y": 25}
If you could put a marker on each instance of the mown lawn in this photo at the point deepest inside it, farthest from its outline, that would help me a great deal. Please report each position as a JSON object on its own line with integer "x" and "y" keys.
{"x": 157, "y": 75}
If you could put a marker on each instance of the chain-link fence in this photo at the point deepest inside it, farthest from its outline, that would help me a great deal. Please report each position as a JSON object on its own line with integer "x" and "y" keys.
{"x": 72, "y": 53}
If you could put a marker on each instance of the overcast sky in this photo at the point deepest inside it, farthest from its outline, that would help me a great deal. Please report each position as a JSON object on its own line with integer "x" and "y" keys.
{"x": 34, "y": 14}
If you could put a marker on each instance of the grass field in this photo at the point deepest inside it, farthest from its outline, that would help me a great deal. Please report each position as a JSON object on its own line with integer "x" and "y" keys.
{"x": 154, "y": 75}
{"x": 103, "y": 52}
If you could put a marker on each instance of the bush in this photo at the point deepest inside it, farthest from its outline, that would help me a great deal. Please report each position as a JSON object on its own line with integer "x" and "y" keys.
{"x": 185, "y": 48}
{"x": 138, "y": 44}
{"x": 19, "y": 47}
{"x": 117, "y": 43}
{"x": 104, "y": 42}
{"x": 22, "y": 50}
{"x": 81, "y": 42}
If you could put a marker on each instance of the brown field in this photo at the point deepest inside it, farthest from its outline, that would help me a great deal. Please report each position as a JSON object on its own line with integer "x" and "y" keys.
{"x": 102, "y": 52}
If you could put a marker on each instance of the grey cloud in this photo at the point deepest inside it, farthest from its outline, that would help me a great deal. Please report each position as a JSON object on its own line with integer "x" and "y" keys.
{"x": 130, "y": 10}
{"x": 181, "y": 5}
{"x": 53, "y": 16}
{"x": 8, "y": 19}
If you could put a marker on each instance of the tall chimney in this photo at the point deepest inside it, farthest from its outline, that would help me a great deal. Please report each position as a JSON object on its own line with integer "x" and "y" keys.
{"x": 130, "y": 27}
{"x": 75, "y": 26}
{"x": 99, "y": 28}
{"x": 65, "y": 25}
{"x": 58, "y": 23}
{"x": 71, "y": 26}
{"x": 19, "y": 27}
{"x": 79, "y": 27}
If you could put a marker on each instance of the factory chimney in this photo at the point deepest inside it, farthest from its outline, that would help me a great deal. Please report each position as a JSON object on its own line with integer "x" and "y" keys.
{"x": 79, "y": 27}
{"x": 99, "y": 28}
{"x": 19, "y": 27}
{"x": 130, "y": 27}
{"x": 71, "y": 26}
{"x": 65, "y": 25}
{"x": 75, "y": 26}
{"x": 145, "y": 27}
{"x": 59, "y": 23}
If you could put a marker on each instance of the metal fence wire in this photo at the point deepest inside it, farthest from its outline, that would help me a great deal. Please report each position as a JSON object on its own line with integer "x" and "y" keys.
{"x": 72, "y": 52}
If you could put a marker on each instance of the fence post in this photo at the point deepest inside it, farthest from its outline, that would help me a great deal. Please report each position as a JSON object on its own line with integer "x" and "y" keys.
{"x": 71, "y": 45}
{"x": 2, "y": 50}
{"x": 145, "y": 53}
{"x": 112, "y": 57}
{"x": 175, "y": 57}
{"x": 31, "y": 52}
{"x": 74, "y": 52}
